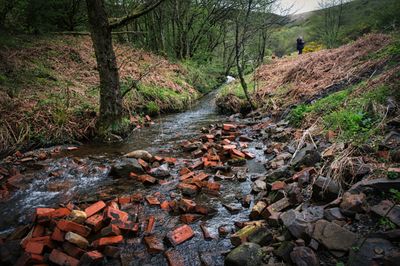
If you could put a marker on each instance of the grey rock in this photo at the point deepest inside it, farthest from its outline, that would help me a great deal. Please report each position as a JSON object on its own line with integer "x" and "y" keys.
{"x": 160, "y": 172}
{"x": 301, "y": 156}
{"x": 333, "y": 236}
{"x": 259, "y": 186}
{"x": 383, "y": 208}
{"x": 284, "y": 250}
{"x": 124, "y": 167}
{"x": 247, "y": 254}
{"x": 298, "y": 223}
{"x": 262, "y": 236}
{"x": 281, "y": 173}
{"x": 333, "y": 214}
{"x": 371, "y": 249}
{"x": 325, "y": 189}
{"x": 382, "y": 184}
{"x": 304, "y": 256}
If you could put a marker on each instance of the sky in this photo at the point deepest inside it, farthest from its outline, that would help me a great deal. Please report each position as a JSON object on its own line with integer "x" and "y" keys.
{"x": 300, "y": 6}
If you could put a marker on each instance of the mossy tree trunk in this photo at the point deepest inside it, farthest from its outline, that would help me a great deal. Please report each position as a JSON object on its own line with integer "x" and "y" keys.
{"x": 110, "y": 93}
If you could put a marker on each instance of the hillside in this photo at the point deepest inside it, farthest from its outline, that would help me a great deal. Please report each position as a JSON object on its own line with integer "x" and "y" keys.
{"x": 51, "y": 82}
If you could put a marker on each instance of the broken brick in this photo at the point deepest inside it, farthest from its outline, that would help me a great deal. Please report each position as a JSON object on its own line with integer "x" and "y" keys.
{"x": 187, "y": 176}
{"x": 94, "y": 208}
{"x": 206, "y": 233}
{"x": 137, "y": 197}
{"x": 150, "y": 224}
{"x": 91, "y": 258}
{"x": 144, "y": 164}
{"x": 154, "y": 244}
{"x": 225, "y": 142}
{"x": 187, "y": 205}
{"x": 60, "y": 212}
{"x": 43, "y": 214}
{"x": 184, "y": 171}
{"x": 61, "y": 258}
{"x": 197, "y": 165}
{"x": 237, "y": 153}
{"x": 38, "y": 231}
{"x": 257, "y": 209}
{"x": 58, "y": 235}
{"x": 190, "y": 218}
{"x": 200, "y": 177}
{"x": 124, "y": 200}
{"x": 95, "y": 222}
{"x": 170, "y": 160}
{"x": 180, "y": 234}
{"x": 152, "y": 200}
{"x": 165, "y": 205}
{"x": 110, "y": 230}
{"x": 67, "y": 226}
{"x": 249, "y": 155}
{"x": 229, "y": 127}
{"x": 229, "y": 147}
{"x": 147, "y": 179}
{"x": 213, "y": 186}
{"x": 111, "y": 240}
{"x": 29, "y": 259}
{"x": 34, "y": 247}
{"x": 278, "y": 185}
{"x": 188, "y": 189}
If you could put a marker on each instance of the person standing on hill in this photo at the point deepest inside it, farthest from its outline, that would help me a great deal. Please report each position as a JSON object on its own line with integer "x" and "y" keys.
{"x": 300, "y": 44}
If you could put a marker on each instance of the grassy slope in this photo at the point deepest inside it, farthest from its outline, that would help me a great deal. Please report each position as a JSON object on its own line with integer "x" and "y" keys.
{"x": 49, "y": 88}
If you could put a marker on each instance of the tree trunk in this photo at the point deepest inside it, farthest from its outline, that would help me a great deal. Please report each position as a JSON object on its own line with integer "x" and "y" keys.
{"x": 110, "y": 94}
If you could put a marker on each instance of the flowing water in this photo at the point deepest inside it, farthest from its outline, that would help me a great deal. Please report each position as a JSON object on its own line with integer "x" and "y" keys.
{"x": 82, "y": 175}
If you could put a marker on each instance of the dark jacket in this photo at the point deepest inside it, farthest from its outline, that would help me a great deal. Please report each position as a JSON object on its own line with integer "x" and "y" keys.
{"x": 300, "y": 44}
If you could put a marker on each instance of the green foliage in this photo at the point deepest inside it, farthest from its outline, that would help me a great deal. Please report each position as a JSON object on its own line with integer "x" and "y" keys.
{"x": 152, "y": 108}
{"x": 386, "y": 223}
{"x": 350, "y": 116}
{"x": 203, "y": 76}
{"x": 236, "y": 88}
{"x": 313, "y": 47}
{"x": 395, "y": 194}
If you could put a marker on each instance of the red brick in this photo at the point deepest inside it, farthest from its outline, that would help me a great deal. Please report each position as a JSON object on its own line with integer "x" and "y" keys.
{"x": 146, "y": 179}
{"x": 229, "y": 127}
{"x": 111, "y": 240}
{"x": 200, "y": 177}
{"x": 137, "y": 197}
{"x": 67, "y": 226}
{"x": 43, "y": 214}
{"x": 60, "y": 212}
{"x": 187, "y": 205}
{"x": 180, "y": 234}
{"x": 188, "y": 189}
{"x": 29, "y": 259}
{"x": 249, "y": 155}
{"x": 170, "y": 160}
{"x": 110, "y": 230}
{"x": 124, "y": 200}
{"x": 165, "y": 205}
{"x": 278, "y": 185}
{"x": 45, "y": 240}
{"x": 144, "y": 164}
{"x": 229, "y": 147}
{"x": 95, "y": 222}
{"x": 152, "y": 200}
{"x": 225, "y": 142}
{"x": 95, "y": 208}
{"x": 174, "y": 258}
{"x": 57, "y": 235}
{"x": 197, "y": 165}
{"x": 61, "y": 258}
{"x": 34, "y": 247}
{"x": 72, "y": 250}
{"x": 237, "y": 153}
{"x": 190, "y": 218}
{"x": 91, "y": 258}
{"x": 213, "y": 186}
{"x": 154, "y": 244}
{"x": 38, "y": 231}
{"x": 158, "y": 158}
{"x": 187, "y": 176}
{"x": 112, "y": 214}
{"x": 184, "y": 171}
{"x": 150, "y": 224}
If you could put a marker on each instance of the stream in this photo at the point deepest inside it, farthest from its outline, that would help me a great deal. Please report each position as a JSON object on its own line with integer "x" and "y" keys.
{"x": 83, "y": 175}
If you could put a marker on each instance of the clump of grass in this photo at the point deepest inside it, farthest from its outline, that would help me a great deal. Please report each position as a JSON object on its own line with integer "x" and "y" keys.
{"x": 353, "y": 116}
{"x": 152, "y": 108}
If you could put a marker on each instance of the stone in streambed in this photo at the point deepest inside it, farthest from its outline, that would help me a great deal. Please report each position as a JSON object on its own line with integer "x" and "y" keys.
{"x": 371, "y": 249}
{"x": 304, "y": 256}
{"x": 247, "y": 254}
{"x": 123, "y": 167}
{"x": 160, "y": 172}
{"x": 139, "y": 154}
{"x": 333, "y": 236}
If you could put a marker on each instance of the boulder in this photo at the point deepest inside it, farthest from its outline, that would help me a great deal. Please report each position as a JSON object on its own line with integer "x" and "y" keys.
{"x": 259, "y": 186}
{"x": 304, "y": 256}
{"x": 333, "y": 214}
{"x": 122, "y": 168}
{"x": 284, "y": 250}
{"x": 306, "y": 156}
{"x": 333, "y": 236}
{"x": 280, "y": 173}
{"x": 247, "y": 254}
{"x": 262, "y": 236}
{"x": 298, "y": 223}
{"x": 139, "y": 154}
